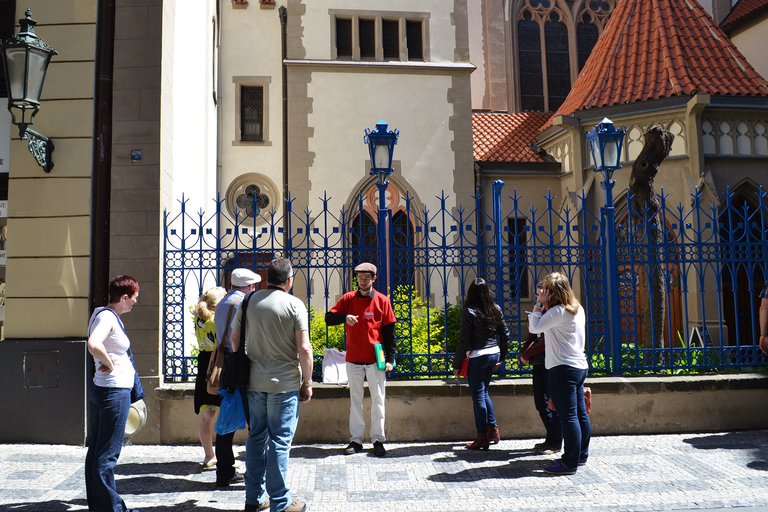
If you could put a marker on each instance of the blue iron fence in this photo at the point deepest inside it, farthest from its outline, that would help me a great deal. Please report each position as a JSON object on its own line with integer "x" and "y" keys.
{"x": 688, "y": 277}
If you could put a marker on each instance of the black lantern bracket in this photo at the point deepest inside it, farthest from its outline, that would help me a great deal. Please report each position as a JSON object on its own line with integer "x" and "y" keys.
{"x": 25, "y": 62}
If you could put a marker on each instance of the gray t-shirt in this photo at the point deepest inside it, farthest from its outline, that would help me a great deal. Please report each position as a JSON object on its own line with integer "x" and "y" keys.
{"x": 274, "y": 316}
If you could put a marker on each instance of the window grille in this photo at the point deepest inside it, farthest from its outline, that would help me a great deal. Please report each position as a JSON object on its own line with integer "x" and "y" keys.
{"x": 252, "y": 113}
{"x": 343, "y": 39}
{"x": 413, "y": 34}
{"x": 367, "y": 39}
{"x": 390, "y": 32}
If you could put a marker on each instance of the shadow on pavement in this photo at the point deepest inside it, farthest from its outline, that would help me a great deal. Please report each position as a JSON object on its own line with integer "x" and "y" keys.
{"x": 45, "y": 506}
{"x": 744, "y": 441}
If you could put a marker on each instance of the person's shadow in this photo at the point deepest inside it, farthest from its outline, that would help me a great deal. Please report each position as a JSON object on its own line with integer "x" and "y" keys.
{"x": 755, "y": 442}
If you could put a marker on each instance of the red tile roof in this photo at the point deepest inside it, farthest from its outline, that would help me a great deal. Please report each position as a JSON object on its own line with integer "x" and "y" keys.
{"x": 499, "y": 137}
{"x": 655, "y": 49}
{"x": 744, "y": 11}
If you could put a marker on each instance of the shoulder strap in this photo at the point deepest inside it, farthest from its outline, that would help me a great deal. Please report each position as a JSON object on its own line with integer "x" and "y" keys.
{"x": 226, "y": 327}
{"x": 241, "y": 348}
{"x": 119, "y": 322}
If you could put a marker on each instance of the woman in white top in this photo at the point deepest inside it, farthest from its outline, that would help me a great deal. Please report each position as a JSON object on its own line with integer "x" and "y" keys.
{"x": 110, "y": 394}
{"x": 563, "y": 326}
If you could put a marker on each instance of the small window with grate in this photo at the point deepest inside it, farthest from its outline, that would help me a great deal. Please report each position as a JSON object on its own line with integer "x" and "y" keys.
{"x": 390, "y": 34}
{"x": 343, "y": 38}
{"x": 251, "y": 114}
{"x": 367, "y": 39}
{"x": 414, "y": 39}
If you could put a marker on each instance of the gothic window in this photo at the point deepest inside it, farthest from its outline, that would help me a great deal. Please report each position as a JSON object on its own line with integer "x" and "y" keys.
{"x": 554, "y": 40}
{"x": 586, "y": 35}
{"x": 531, "y": 78}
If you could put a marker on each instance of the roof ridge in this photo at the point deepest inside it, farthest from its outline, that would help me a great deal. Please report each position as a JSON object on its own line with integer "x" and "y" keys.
{"x": 652, "y": 49}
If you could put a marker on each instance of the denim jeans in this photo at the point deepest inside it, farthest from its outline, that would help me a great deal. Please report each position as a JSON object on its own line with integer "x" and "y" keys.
{"x": 566, "y": 386}
{"x": 479, "y": 374}
{"x": 110, "y": 412}
{"x": 273, "y": 422}
{"x": 541, "y": 399}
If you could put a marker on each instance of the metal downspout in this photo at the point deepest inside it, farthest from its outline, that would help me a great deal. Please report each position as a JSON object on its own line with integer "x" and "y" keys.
{"x": 101, "y": 173}
{"x": 283, "y": 12}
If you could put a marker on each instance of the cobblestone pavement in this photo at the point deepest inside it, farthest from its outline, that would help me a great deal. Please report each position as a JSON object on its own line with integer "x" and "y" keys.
{"x": 624, "y": 473}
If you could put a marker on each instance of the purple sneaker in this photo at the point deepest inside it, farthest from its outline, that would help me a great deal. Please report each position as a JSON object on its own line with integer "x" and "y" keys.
{"x": 559, "y": 469}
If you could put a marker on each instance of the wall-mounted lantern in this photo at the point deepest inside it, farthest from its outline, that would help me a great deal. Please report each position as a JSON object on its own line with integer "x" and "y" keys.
{"x": 25, "y": 62}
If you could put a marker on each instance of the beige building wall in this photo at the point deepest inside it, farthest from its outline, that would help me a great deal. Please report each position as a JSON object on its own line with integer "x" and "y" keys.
{"x": 331, "y": 103}
{"x": 48, "y": 214}
{"x": 750, "y": 39}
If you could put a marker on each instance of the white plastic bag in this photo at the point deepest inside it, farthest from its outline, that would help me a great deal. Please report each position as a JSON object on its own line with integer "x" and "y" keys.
{"x": 334, "y": 366}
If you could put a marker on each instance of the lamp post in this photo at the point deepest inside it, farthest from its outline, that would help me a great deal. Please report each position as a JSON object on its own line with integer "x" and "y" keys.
{"x": 25, "y": 62}
{"x": 605, "y": 143}
{"x": 381, "y": 145}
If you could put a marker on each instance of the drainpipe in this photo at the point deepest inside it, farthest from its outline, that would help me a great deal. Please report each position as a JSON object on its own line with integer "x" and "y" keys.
{"x": 101, "y": 173}
{"x": 284, "y": 30}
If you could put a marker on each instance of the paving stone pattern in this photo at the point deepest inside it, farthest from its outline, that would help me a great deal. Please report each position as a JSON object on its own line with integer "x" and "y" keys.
{"x": 624, "y": 474}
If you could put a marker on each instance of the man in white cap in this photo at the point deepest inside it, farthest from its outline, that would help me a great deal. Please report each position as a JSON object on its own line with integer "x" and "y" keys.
{"x": 243, "y": 281}
{"x": 369, "y": 319}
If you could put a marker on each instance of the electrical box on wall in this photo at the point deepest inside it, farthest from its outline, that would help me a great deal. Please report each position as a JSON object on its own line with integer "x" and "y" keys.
{"x": 41, "y": 369}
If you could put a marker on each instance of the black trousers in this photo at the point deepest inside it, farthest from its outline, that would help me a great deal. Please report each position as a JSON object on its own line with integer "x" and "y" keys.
{"x": 225, "y": 456}
{"x": 549, "y": 418}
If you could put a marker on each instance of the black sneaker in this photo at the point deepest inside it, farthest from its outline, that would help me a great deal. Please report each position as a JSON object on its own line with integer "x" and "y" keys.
{"x": 237, "y": 478}
{"x": 378, "y": 449}
{"x": 353, "y": 448}
{"x": 546, "y": 449}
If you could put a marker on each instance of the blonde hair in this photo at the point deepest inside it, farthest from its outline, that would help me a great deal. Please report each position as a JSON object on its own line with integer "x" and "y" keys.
{"x": 562, "y": 293}
{"x": 208, "y": 301}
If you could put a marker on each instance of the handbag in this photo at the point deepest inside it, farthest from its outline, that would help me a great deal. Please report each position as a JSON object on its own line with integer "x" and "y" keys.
{"x": 216, "y": 363}
{"x": 137, "y": 391}
{"x": 532, "y": 346}
{"x": 587, "y": 400}
{"x": 464, "y": 366}
{"x": 231, "y": 413}
{"x": 237, "y": 367}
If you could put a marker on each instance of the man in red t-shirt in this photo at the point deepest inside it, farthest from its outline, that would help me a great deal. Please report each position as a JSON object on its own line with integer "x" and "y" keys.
{"x": 369, "y": 319}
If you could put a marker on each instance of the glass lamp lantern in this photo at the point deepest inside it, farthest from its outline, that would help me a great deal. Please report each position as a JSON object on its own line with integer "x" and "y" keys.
{"x": 381, "y": 145}
{"x": 25, "y": 61}
{"x": 605, "y": 144}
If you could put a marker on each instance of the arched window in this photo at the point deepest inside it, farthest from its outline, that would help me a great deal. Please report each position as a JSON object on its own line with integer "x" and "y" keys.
{"x": 554, "y": 40}
{"x": 531, "y": 75}
{"x": 363, "y": 235}
{"x": 586, "y": 35}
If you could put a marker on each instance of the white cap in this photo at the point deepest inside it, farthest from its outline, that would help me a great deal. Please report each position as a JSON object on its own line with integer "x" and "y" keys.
{"x": 242, "y": 277}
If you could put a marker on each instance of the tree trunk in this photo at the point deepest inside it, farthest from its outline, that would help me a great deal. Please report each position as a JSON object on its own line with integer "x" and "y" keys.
{"x": 645, "y": 213}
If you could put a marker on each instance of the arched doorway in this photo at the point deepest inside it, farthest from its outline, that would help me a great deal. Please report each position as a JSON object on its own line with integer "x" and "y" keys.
{"x": 363, "y": 237}
{"x": 634, "y": 287}
{"x": 741, "y": 281}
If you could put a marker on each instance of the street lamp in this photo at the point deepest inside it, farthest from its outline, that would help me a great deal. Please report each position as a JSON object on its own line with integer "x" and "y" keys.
{"x": 25, "y": 62}
{"x": 605, "y": 143}
{"x": 381, "y": 146}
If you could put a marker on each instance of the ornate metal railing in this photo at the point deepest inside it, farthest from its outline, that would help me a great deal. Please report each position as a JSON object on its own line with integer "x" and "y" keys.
{"x": 687, "y": 303}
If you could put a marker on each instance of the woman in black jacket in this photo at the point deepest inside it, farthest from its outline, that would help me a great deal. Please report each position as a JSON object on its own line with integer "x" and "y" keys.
{"x": 483, "y": 340}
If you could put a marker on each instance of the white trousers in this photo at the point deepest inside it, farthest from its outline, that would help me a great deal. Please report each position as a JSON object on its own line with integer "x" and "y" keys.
{"x": 357, "y": 374}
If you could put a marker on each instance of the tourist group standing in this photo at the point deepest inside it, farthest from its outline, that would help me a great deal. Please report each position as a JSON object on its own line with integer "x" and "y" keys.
{"x": 263, "y": 337}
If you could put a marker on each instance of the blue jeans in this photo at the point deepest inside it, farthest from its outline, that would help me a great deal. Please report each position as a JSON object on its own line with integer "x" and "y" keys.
{"x": 479, "y": 374}
{"x": 566, "y": 387}
{"x": 541, "y": 399}
{"x": 110, "y": 412}
{"x": 273, "y": 422}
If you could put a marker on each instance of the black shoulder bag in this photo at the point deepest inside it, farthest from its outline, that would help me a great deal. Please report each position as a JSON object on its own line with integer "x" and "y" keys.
{"x": 237, "y": 366}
